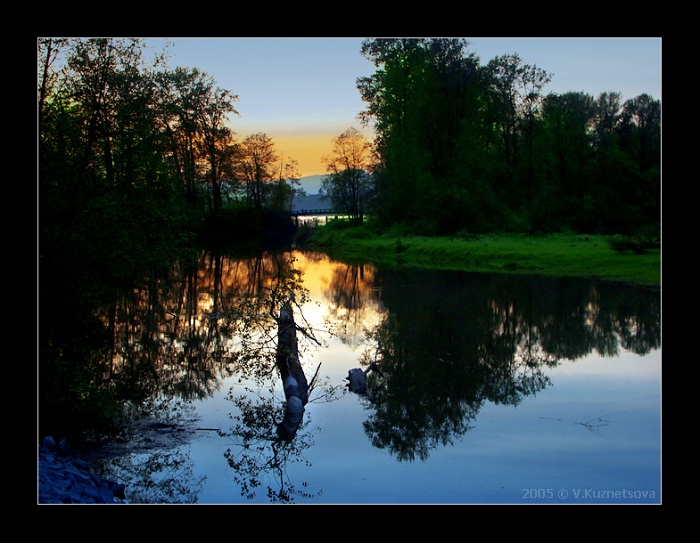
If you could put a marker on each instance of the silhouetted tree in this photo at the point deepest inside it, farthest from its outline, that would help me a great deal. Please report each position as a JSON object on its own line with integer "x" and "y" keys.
{"x": 348, "y": 183}
{"x": 256, "y": 167}
{"x": 480, "y": 148}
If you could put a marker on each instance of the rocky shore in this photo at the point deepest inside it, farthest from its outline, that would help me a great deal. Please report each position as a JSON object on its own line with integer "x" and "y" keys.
{"x": 64, "y": 479}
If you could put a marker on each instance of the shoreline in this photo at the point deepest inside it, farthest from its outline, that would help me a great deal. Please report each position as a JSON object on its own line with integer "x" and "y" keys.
{"x": 551, "y": 254}
{"x": 63, "y": 479}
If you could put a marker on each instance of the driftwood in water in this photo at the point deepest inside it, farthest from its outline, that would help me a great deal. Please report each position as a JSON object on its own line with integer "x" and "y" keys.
{"x": 296, "y": 389}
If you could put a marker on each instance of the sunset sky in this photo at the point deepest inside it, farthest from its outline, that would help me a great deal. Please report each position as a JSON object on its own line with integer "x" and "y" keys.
{"x": 302, "y": 92}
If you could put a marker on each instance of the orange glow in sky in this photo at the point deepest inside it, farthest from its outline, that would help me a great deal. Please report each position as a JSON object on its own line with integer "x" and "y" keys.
{"x": 307, "y": 149}
{"x": 289, "y": 86}
{"x": 308, "y": 145}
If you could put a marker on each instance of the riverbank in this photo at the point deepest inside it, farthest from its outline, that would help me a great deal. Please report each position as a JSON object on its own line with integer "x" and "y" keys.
{"x": 552, "y": 254}
{"x": 66, "y": 479}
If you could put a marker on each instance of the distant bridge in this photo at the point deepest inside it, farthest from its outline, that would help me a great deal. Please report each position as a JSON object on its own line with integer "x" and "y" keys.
{"x": 304, "y": 212}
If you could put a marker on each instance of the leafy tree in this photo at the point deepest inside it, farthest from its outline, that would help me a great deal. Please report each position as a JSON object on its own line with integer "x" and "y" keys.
{"x": 517, "y": 94}
{"x": 641, "y": 123}
{"x": 287, "y": 186}
{"x": 606, "y": 118}
{"x": 465, "y": 147}
{"x": 640, "y": 137}
{"x": 217, "y": 142}
{"x": 256, "y": 168}
{"x": 101, "y": 170}
{"x": 266, "y": 181}
{"x": 199, "y": 140}
{"x": 389, "y": 96}
{"x": 348, "y": 183}
{"x": 614, "y": 178}
{"x": 567, "y": 161}
{"x": 48, "y": 52}
{"x": 422, "y": 104}
{"x": 109, "y": 207}
{"x": 183, "y": 89}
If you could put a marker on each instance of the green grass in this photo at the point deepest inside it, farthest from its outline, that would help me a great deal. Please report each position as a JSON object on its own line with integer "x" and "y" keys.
{"x": 554, "y": 254}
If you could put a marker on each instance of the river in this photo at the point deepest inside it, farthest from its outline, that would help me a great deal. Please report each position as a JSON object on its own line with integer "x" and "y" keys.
{"x": 484, "y": 388}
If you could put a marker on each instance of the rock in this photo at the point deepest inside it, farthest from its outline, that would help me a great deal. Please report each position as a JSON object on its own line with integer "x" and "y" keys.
{"x": 65, "y": 479}
{"x": 357, "y": 381}
{"x": 63, "y": 446}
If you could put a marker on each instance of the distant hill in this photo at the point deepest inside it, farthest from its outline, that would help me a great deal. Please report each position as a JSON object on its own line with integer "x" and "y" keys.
{"x": 310, "y": 201}
{"x": 311, "y": 183}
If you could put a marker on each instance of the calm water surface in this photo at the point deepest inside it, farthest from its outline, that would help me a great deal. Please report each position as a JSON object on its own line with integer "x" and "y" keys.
{"x": 484, "y": 388}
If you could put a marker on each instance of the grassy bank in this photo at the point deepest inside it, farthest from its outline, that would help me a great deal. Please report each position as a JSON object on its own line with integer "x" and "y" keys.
{"x": 554, "y": 254}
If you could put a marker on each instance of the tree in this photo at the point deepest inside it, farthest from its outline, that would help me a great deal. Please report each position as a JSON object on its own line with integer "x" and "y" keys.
{"x": 287, "y": 186}
{"x": 389, "y": 94}
{"x": 217, "y": 140}
{"x": 421, "y": 104}
{"x": 256, "y": 167}
{"x": 48, "y": 51}
{"x": 183, "y": 88}
{"x": 615, "y": 177}
{"x": 640, "y": 139}
{"x": 348, "y": 183}
{"x": 199, "y": 139}
{"x": 641, "y": 125}
{"x": 567, "y": 160}
{"x": 517, "y": 94}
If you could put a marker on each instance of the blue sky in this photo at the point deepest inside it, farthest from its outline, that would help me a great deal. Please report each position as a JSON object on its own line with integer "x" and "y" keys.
{"x": 302, "y": 93}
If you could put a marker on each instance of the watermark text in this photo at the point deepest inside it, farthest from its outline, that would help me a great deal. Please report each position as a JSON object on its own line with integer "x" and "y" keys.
{"x": 586, "y": 494}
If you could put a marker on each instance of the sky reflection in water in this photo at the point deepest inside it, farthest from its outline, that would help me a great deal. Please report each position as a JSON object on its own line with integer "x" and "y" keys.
{"x": 502, "y": 418}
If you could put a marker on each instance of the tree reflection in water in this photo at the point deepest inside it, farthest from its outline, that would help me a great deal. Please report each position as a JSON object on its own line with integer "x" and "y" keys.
{"x": 175, "y": 341}
{"x": 263, "y": 443}
{"x": 450, "y": 342}
{"x": 445, "y": 344}
{"x": 157, "y": 476}
{"x": 259, "y": 456}
{"x": 154, "y": 456}
{"x": 425, "y": 397}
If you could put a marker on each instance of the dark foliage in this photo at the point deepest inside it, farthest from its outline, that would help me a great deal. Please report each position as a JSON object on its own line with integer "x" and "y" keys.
{"x": 468, "y": 147}
{"x": 132, "y": 162}
{"x": 136, "y": 165}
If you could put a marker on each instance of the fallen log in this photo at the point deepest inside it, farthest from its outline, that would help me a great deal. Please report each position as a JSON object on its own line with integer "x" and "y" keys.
{"x": 296, "y": 388}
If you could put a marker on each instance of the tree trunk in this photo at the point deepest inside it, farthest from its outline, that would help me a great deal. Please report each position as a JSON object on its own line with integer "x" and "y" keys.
{"x": 296, "y": 389}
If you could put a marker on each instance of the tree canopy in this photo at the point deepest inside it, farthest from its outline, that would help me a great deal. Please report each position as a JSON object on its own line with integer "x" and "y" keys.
{"x": 463, "y": 146}
{"x": 135, "y": 160}
{"x": 348, "y": 183}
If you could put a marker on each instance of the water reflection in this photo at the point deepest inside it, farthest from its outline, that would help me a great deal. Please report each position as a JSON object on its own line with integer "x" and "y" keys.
{"x": 452, "y": 341}
{"x": 257, "y": 454}
{"x": 154, "y": 457}
{"x": 352, "y": 300}
{"x": 441, "y": 344}
{"x": 156, "y": 476}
